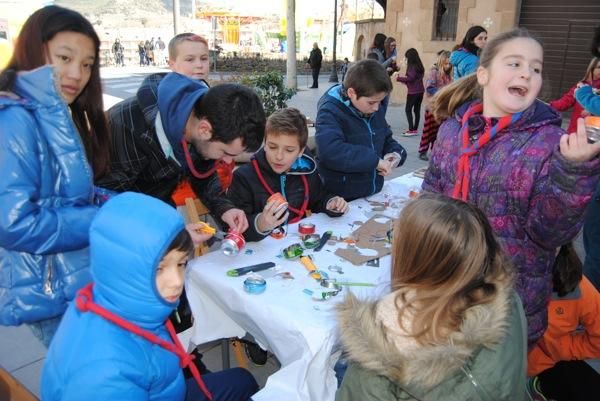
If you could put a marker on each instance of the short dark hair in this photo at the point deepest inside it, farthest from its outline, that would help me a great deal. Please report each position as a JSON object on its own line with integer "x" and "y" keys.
{"x": 288, "y": 121}
{"x": 182, "y": 242}
{"x": 567, "y": 271}
{"x": 87, "y": 110}
{"x": 367, "y": 78}
{"x": 234, "y": 111}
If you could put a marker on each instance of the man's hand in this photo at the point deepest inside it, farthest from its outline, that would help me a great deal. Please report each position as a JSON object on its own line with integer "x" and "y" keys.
{"x": 236, "y": 220}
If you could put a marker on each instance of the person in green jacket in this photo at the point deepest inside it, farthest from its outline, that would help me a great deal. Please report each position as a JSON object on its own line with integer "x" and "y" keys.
{"x": 452, "y": 327}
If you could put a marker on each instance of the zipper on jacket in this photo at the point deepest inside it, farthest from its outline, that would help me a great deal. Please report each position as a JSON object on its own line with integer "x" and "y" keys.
{"x": 368, "y": 122}
{"x": 48, "y": 278}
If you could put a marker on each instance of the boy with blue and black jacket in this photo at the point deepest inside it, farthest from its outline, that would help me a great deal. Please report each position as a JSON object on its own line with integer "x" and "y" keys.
{"x": 355, "y": 146}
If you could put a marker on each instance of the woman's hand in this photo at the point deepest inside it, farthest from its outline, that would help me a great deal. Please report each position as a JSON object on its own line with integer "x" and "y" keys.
{"x": 337, "y": 204}
{"x": 575, "y": 147}
{"x": 273, "y": 215}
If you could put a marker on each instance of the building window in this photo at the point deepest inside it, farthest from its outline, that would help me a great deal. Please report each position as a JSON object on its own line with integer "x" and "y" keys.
{"x": 445, "y": 19}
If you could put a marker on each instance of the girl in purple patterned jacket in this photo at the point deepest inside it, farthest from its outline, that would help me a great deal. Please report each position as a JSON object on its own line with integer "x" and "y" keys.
{"x": 504, "y": 151}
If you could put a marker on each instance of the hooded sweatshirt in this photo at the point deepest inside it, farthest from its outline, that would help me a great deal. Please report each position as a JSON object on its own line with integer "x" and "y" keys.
{"x": 249, "y": 194}
{"x": 140, "y": 161}
{"x": 91, "y": 358}
{"x": 386, "y": 364}
{"x": 533, "y": 197}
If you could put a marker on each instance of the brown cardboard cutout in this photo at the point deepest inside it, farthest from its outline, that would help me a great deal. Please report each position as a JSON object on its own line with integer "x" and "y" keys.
{"x": 370, "y": 235}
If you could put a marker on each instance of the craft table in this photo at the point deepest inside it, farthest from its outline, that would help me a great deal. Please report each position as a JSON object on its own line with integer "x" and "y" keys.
{"x": 300, "y": 331}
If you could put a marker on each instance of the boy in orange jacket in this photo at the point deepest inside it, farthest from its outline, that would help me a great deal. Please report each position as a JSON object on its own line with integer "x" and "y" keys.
{"x": 573, "y": 334}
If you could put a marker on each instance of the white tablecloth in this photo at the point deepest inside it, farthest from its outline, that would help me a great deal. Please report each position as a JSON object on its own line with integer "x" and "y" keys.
{"x": 301, "y": 332}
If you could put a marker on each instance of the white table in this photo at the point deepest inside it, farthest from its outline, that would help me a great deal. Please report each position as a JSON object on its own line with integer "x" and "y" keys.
{"x": 300, "y": 331}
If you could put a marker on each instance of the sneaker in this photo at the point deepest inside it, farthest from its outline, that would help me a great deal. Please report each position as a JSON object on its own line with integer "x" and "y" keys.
{"x": 410, "y": 132}
{"x": 255, "y": 353}
{"x": 423, "y": 156}
{"x": 534, "y": 389}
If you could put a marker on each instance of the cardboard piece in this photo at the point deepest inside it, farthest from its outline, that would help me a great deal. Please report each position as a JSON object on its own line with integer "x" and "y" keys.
{"x": 371, "y": 236}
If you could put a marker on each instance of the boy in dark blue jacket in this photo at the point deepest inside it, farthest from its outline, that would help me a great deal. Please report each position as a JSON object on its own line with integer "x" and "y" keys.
{"x": 355, "y": 146}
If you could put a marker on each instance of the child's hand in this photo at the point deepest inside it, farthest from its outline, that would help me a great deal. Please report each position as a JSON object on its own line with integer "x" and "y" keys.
{"x": 236, "y": 220}
{"x": 393, "y": 158}
{"x": 273, "y": 215}
{"x": 198, "y": 236}
{"x": 384, "y": 167}
{"x": 575, "y": 147}
{"x": 337, "y": 204}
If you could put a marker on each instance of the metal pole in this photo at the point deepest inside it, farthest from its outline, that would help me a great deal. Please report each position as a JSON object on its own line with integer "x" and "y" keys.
{"x": 292, "y": 78}
{"x": 176, "y": 16}
{"x": 334, "y": 77}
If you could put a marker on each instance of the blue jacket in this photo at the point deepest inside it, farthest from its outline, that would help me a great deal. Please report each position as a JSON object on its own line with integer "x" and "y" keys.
{"x": 588, "y": 99}
{"x": 46, "y": 207}
{"x": 463, "y": 63}
{"x": 350, "y": 145}
{"x": 91, "y": 358}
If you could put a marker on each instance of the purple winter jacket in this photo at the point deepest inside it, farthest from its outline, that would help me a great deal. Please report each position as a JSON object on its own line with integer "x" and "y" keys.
{"x": 533, "y": 197}
{"x": 413, "y": 81}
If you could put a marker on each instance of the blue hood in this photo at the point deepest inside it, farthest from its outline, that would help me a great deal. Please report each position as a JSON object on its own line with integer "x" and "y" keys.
{"x": 128, "y": 238}
{"x": 38, "y": 84}
{"x": 177, "y": 95}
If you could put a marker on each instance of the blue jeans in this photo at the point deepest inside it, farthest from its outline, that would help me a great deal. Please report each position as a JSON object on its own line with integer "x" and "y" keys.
{"x": 234, "y": 384}
{"x": 44, "y": 330}
{"x": 591, "y": 241}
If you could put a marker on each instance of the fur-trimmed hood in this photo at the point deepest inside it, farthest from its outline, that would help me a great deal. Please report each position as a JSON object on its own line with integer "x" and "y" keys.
{"x": 373, "y": 338}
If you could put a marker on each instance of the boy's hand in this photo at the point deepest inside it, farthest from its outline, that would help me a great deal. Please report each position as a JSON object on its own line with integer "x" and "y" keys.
{"x": 198, "y": 236}
{"x": 575, "y": 147}
{"x": 273, "y": 215}
{"x": 337, "y": 204}
{"x": 236, "y": 220}
{"x": 393, "y": 158}
{"x": 384, "y": 167}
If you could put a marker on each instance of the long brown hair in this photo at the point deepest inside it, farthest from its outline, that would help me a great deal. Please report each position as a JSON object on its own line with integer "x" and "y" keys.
{"x": 589, "y": 73}
{"x": 87, "y": 110}
{"x": 449, "y": 98}
{"x": 445, "y": 260}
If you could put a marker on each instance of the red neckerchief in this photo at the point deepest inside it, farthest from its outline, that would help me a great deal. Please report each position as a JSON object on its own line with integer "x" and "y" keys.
{"x": 461, "y": 187}
{"x": 224, "y": 170}
{"x": 300, "y": 212}
{"x": 85, "y": 303}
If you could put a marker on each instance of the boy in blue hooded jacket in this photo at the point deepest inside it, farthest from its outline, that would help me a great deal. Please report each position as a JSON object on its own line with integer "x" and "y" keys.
{"x": 115, "y": 342}
{"x": 355, "y": 146}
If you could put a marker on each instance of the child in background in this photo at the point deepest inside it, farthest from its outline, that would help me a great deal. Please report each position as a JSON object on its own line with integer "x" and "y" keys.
{"x": 591, "y": 77}
{"x": 283, "y": 165}
{"x": 344, "y": 68}
{"x": 508, "y": 155}
{"x": 355, "y": 146}
{"x": 115, "y": 342}
{"x": 188, "y": 55}
{"x": 573, "y": 334}
{"x": 452, "y": 329}
{"x": 391, "y": 54}
{"x": 439, "y": 76}
{"x": 414, "y": 83}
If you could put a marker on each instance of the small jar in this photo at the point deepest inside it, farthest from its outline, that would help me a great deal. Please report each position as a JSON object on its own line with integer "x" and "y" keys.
{"x": 592, "y": 128}
{"x": 277, "y": 197}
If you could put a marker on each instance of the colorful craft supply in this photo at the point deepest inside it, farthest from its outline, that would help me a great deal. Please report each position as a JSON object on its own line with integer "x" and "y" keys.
{"x": 255, "y": 284}
{"x": 311, "y": 241}
{"x": 292, "y": 252}
{"x": 306, "y": 228}
{"x": 233, "y": 243}
{"x": 248, "y": 269}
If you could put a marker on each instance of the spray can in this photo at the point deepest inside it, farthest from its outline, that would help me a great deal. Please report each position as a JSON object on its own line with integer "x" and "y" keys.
{"x": 233, "y": 243}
